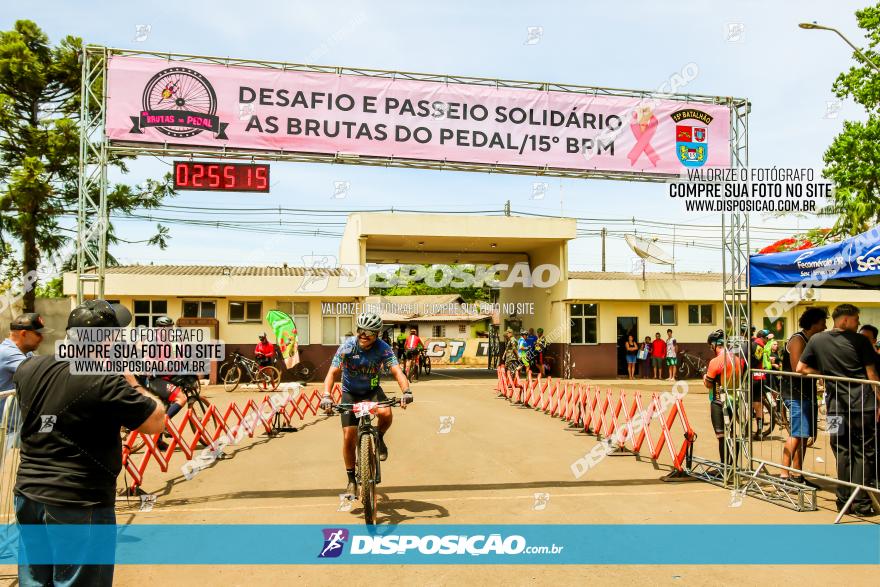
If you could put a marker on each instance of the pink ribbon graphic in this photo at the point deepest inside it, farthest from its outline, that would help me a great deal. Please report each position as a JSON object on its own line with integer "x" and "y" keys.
{"x": 643, "y": 141}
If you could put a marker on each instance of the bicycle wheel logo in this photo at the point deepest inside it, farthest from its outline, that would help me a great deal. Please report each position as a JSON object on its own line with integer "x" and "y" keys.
{"x": 179, "y": 102}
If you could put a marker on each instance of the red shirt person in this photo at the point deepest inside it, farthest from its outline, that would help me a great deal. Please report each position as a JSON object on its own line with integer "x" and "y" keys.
{"x": 264, "y": 351}
{"x": 658, "y": 355}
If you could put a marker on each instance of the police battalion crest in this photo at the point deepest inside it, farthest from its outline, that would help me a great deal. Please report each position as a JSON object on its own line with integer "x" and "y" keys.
{"x": 691, "y": 136}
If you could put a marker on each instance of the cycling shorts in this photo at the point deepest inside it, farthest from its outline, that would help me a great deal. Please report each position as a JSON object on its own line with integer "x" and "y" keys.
{"x": 716, "y": 410}
{"x": 349, "y": 419}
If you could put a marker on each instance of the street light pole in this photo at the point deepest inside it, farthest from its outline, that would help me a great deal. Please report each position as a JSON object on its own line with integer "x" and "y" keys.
{"x": 815, "y": 26}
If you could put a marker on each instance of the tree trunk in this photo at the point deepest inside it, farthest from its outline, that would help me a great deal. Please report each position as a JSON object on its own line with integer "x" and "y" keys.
{"x": 31, "y": 259}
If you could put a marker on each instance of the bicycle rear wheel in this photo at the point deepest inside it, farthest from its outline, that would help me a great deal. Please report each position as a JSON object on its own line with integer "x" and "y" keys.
{"x": 367, "y": 476}
{"x": 412, "y": 370}
{"x": 232, "y": 378}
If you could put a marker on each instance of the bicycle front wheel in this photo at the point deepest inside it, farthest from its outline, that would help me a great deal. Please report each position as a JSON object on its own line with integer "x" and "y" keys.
{"x": 232, "y": 378}
{"x": 367, "y": 476}
{"x": 427, "y": 365}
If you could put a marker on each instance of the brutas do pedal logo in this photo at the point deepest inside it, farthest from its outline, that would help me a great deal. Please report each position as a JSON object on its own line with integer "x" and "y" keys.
{"x": 181, "y": 103}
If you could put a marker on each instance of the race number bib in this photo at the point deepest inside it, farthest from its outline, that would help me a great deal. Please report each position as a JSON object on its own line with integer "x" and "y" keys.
{"x": 364, "y": 409}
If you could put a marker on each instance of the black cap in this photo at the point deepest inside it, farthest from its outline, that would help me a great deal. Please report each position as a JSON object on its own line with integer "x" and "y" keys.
{"x": 97, "y": 313}
{"x": 30, "y": 321}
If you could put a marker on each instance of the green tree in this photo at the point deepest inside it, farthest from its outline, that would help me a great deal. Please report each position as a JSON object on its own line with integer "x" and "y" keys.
{"x": 469, "y": 294}
{"x": 853, "y": 159}
{"x": 39, "y": 149}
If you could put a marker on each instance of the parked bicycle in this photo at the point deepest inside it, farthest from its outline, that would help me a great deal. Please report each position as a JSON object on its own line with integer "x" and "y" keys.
{"x": 691, "y": 366}
{"x": 267, "y": 377}
{"x": 367, "y": 468}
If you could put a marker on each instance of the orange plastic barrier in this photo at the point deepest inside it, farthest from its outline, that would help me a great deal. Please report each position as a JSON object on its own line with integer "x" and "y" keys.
{"x": 607, "y": 414}
{"x": 188, "y": 431}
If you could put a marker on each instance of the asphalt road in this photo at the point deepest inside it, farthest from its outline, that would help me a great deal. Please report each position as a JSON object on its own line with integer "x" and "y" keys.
{"x": 487, "y": 468}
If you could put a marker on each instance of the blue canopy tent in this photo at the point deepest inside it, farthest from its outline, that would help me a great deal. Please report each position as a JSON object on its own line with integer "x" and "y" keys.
{"x": 851, "y": 263}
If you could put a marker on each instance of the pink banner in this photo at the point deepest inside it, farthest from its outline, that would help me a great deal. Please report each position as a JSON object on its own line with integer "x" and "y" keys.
{"x": 181, "y": 103}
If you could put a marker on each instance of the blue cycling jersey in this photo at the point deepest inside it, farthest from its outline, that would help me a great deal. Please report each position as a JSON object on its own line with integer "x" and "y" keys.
{"x": 361, "y": 367}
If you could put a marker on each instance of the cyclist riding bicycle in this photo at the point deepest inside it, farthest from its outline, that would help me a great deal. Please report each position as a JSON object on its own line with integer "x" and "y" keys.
{"x": 725, "y": 367}
{"x": 160, "y": 384}
{"x": 361, "y": 360}
{"x": 412, "y": 346}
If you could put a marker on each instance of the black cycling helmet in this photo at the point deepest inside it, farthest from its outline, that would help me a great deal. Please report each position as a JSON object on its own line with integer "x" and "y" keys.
{"x": 716, "y": 337}
{"x": 164, "y": 322}
{"x": 98, "y": 313}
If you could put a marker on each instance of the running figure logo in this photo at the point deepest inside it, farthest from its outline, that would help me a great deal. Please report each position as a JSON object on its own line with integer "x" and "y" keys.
{"x": 334, "y": 540}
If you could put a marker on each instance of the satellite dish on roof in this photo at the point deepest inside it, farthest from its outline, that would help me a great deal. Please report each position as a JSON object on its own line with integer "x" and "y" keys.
{"x": 647, "y": 250}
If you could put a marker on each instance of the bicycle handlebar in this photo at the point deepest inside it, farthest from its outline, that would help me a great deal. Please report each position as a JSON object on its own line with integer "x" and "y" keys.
{"x": 347, "y": 408}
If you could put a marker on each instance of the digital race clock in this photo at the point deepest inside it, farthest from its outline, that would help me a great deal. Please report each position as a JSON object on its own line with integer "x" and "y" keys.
{"x": 223, "y": 177}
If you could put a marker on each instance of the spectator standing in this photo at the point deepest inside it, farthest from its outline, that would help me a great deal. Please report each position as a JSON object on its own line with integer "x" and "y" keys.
{"x": 645, "y": 357}
{"x": 510, "y": 355}
{"x": 851, "y": 407}
{"x": 71, "y": 450}
{"x": 671, "y": 355}
{"x": 658, "y": 355}
{"x": 540, "y": 347}
{"x": 25, "y": 335}
{"x": 799, "y": 395}
{"x": 264, "y": 352}
{"x": 756, "y": 361}
{"x": 632, "y": 349}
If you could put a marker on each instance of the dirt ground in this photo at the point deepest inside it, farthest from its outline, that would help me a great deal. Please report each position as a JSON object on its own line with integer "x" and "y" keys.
{"x": 486, "y": 469}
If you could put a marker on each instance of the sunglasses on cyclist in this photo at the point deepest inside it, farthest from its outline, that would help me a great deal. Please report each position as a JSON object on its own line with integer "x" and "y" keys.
{"x": 367, "y": 332}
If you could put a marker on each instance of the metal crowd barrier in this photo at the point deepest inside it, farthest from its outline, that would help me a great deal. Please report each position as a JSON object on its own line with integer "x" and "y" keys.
{"x": 817, "y": 427}
{"x": 9, "y": 425}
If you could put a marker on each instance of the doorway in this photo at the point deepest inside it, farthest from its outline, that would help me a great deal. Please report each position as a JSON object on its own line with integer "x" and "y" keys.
{"x": 626, "y": 325}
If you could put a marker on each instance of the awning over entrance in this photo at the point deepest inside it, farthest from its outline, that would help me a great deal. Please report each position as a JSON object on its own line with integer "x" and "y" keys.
{"x": 851, "y": 263}
{"x": 449, "y": 238}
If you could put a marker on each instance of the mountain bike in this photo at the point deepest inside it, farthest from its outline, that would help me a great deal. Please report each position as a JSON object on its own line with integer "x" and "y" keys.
{"x": 413, "y": 365}
{"x": 367, "y": 467}
{"x": 691, "y": 366}
{"x": 267, "y": 377}
{"x": 424, "y": 361}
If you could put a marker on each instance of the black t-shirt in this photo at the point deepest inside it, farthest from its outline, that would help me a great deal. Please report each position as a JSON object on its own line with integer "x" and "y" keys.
{"x": 842, "y": 353}
{"x": 71, "y": 449}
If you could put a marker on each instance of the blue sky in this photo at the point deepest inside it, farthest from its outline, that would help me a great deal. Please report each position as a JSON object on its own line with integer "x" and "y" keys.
{"x": 786, "y": 72}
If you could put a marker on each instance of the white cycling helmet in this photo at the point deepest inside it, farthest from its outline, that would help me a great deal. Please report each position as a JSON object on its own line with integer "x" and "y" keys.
{"x": 369, "y": 322}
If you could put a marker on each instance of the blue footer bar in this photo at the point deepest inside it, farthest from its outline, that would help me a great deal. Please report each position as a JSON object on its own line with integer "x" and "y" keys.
{"x": 267, "y": 544}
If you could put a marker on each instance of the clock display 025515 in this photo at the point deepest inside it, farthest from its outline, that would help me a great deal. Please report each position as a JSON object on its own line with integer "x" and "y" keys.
{"x": 223, "y": 177}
